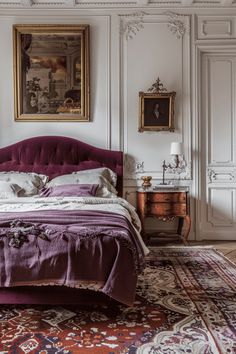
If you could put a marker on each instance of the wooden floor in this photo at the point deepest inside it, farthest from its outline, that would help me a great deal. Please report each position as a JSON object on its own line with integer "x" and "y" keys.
{"x": 228, "y": 248}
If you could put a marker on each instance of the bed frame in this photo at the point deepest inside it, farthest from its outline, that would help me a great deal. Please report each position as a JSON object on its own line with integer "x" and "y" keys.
{"x": 54, "y": 156}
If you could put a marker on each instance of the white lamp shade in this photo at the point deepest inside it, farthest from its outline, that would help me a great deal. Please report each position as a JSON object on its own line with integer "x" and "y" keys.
{"x": 176, "y": 149}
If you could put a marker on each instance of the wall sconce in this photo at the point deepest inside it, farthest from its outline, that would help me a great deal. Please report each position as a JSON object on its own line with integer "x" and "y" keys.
{"x": 176, "y": 149}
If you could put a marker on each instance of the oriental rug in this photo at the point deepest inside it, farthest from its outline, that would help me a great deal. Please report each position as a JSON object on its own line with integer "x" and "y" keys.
{"x": 185, "y": 303}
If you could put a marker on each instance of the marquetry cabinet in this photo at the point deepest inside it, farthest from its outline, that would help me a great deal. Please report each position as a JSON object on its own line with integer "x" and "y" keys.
{"x": 166, "y": 205}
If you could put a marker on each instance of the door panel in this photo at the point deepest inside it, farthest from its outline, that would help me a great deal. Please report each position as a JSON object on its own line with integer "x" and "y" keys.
{"x": 218, "y": 167}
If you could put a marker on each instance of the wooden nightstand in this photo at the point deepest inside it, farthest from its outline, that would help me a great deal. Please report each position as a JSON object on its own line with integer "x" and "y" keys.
{"x": 165, "y": 204}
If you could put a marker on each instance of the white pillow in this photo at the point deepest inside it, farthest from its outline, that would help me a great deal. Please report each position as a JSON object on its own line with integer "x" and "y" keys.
{"x": 102, "y": 171}
{"x": 105, "y": 188}
{"x": 9, "y": 190}
{"x": 30, "y": 183}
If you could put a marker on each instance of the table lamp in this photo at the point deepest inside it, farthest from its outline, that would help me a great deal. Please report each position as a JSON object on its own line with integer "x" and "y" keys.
{"x": 176, "y": 149}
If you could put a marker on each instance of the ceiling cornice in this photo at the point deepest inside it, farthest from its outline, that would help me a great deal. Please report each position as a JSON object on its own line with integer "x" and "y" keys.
{"x": 95, "y": 4}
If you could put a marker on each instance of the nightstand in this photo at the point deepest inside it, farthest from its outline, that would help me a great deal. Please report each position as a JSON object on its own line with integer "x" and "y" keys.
{"x": 166, "y": 204}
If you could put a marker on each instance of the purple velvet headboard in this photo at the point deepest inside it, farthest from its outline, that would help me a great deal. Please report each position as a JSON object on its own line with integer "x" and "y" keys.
{"x": 57, "y": 155}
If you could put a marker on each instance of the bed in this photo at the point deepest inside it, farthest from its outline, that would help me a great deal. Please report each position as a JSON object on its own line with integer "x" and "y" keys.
{"x": 69, "y": 248}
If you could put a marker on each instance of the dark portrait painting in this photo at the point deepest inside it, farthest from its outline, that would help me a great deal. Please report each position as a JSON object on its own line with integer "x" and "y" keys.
{"x": 156, "y": 111}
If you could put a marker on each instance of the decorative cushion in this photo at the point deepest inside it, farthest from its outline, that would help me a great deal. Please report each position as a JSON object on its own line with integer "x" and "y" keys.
{"x": 70, "y": 190}
{"x": 94, "y": 176}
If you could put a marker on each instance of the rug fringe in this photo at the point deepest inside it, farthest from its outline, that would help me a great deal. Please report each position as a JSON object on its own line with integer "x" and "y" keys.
{"x": 225, "y": 257}
{"x": 192, "y": 248}
{"x": 182, "y": 248}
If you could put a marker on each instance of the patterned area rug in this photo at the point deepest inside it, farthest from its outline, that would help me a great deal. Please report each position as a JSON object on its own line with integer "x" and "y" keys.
{"x": 185, "y": 303}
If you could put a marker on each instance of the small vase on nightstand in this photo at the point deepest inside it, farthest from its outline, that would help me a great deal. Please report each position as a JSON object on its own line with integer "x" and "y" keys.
{"x": 146, "y": 181}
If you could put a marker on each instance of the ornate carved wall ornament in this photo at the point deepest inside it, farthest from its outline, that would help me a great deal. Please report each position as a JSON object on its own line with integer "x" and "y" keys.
{"x": 131, "y": 24}
{"x": 211, "y": 175}
{"x": 221, "y": 176}
{"x": 176, "y": 25}
{"x": 157, "y": 87}
{"x": 133, "y": 166}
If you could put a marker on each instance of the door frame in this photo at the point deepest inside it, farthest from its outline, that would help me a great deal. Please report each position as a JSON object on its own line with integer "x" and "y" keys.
{"x": 201, "y": 49}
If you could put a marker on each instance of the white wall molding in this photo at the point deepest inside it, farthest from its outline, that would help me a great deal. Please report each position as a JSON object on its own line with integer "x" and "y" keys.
{"x": 98, "y": 130}
{"x": 220, "y": 217}
{"x": 142, "y": 4}
{"x": 132, "y": 23}
{"x": 216, "y": 27}
{"x": 215, "y": 207}
{"x": 221, "y": 176}
{"x": 150, "y": 20}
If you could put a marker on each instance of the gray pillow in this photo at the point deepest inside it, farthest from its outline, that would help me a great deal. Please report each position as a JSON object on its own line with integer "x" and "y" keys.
{"x": 30, "y": 183}
{"x": 9, "y": 190}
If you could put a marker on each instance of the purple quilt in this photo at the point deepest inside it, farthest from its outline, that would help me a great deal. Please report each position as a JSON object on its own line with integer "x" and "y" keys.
{"x": 68, "y": 247}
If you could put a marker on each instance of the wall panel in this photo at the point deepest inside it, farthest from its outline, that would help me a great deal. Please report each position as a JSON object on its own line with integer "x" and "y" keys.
{"x": 217, "y": 203}
{"x": 220, "y": 110}
{"x": 155, "y": 52}
{"x": 97, "y": 131}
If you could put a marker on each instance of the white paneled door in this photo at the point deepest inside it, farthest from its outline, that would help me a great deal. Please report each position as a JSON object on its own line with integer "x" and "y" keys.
{"x": 217, "y": 144}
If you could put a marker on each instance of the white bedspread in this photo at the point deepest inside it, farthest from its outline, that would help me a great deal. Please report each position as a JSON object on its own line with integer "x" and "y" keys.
{"x": 115, "y": 205}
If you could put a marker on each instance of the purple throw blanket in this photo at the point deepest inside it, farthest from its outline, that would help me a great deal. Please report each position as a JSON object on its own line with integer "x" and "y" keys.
{"x": 57, "y": 247}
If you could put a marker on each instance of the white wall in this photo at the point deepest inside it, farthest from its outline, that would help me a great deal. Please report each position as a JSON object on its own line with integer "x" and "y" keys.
{"x": 97, "y": 131}
{"x": 120, "y": 68}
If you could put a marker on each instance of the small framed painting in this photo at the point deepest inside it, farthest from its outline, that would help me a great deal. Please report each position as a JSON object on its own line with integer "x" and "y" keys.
{"x": 51, "y": 72}
{"x": 156, "y": 111}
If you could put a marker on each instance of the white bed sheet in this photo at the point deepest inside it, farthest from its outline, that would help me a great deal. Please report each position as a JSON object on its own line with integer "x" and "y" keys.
{"x": 116, "y": 205}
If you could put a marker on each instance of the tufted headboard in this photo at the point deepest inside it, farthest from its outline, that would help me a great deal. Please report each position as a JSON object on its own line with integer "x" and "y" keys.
{"x": 57, "y": 155}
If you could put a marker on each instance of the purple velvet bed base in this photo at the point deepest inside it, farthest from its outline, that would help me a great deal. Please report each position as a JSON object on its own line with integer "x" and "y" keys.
{"x": 51, "y": 295}
{"x": 53, "y": 156}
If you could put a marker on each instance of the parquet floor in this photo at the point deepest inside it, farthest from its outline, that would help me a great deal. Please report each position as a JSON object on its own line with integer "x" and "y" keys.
{"x": 228, "y": 248}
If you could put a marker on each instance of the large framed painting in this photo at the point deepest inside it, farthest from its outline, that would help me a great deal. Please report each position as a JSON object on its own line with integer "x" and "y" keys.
{"x": 51, "y": 72}
{"x": 156, "y": 111}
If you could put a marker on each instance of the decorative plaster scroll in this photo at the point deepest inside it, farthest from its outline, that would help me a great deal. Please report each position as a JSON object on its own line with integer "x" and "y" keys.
{"x": 214, "y": 176}
{"x": 176, "y": 26}
{"x": 186, "y": 172}
{"x": 132, "y": 166}
{"x": 211, "y": 175}
{"x": 131, "y": 23}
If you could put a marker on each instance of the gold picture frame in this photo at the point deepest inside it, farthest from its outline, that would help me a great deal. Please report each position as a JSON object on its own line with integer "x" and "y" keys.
{"x": 51, "y": 72}
{"x": 156, "y": 111}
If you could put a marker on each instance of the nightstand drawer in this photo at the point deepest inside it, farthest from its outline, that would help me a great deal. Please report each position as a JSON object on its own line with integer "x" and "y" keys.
{"x": 166, "y": 209}
{"x": 167, "y": 197}
{"x": 166, "y": 205}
